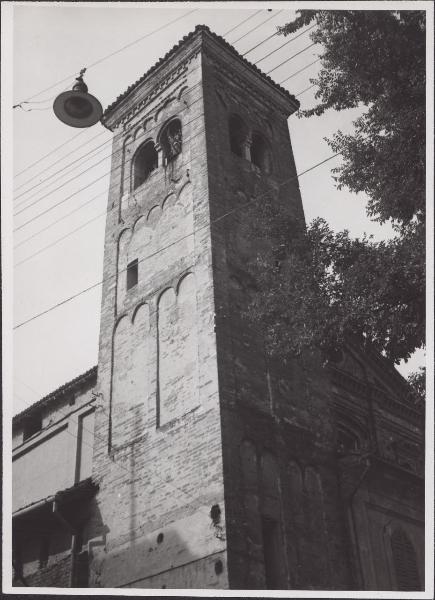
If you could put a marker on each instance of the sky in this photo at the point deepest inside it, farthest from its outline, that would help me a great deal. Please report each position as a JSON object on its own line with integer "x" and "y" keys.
{"x": 61, "y": 174}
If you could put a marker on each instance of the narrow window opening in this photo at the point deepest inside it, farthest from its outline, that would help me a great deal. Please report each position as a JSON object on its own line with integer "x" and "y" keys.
{"x": 260, "y": 153}
{"x": 32, "y": 425}
{"x": 272, "y": 550}
{"x": 405, "y": 562}
{"x": 171, "y": 140}
{"x": 145, "y": 161}
{"x": 238, "y": 133}
{"x": 132, "y": 273}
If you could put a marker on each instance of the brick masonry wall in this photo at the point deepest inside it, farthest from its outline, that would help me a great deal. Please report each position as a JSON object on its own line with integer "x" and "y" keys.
{"x": 283, "y": 412}
{"x": 158, "y": 450}
{"x": 200, "y": 438}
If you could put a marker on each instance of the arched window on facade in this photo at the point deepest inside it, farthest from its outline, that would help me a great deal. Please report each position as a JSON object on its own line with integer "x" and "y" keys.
{"x": 238, "y": 134}
{"x": 144, "y": 162}
{"x": 405, "y": 562}
{"x": 260, "y": 153}
{"x": 171, "y": 140}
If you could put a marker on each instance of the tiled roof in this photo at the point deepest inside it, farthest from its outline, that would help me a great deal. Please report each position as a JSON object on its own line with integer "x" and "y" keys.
{"x": 63, "y": 389}
{"x": 187, "y": 38}
{"x": 82, "y": 489}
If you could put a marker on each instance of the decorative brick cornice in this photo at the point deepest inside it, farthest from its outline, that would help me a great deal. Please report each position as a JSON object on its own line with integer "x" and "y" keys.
{"x": 200, "y": 30}
{"x": 345, "y": 380}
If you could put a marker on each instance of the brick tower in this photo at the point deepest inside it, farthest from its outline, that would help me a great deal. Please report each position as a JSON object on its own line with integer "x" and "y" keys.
{"x": 214, "y": 467}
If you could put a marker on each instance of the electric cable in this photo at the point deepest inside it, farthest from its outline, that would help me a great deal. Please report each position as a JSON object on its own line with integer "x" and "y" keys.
{"x": 282, "y": 45}
{"x": 305, "y": 90}
{"x": 89, "y": 168}
{"x": 76, "y": 209}
{"x": 269, "y": 37}
{"x": 300, "y": 71}
{"x": 256, "y": 27}
{"x": 255, "y": 63}
{"x": 241, "y": 22}
{"x": 73, "y": 75}
{"x": 62, "y": 201}
{"x": 52, "y": 151}
{"x": 62, "y": 168}
{"x": 97, "y": 62}
{"x": 99, "y": 215}
{"x": 128, "y": 471}
{"x": 245, "y": 20}
{"x": 99, "y": 148}
{"x": 291, "y": 57}
{"x": 68, "y": 234}
{"x": 77, "y": 294}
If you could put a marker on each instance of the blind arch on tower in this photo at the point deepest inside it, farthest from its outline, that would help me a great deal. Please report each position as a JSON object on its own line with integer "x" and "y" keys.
{"x": 177, "y": 350}
{"x": 404, "y": 561}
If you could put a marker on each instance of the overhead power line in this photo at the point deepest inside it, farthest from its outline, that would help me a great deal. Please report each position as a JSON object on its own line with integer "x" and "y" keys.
{"x": 241, "y": 22}
{"x": 101, "y": 133}
{"x": 53, "y": 206}
{"x": 24, "y": 260}
{"x": 52, "y": 151}
{"x": 305, "y": 90}
{"x": 285, "y": 44}
{"x": 109, "y": 55}
{"x": 62, "y": 158}
{"x": 100, "y": 60}
{"x": 300, "y": 71}
{"x": 257, "y": 26}
{"x": 95, "y": 164}
{"x": 97, "y": 149}
{"x": 105, "y": 441}
{"x": 98, "y": 283}
{"x": 291, "y": 57}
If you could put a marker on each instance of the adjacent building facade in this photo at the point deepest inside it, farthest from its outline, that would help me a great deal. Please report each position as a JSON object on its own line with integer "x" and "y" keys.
{"x": 188, "y": 459}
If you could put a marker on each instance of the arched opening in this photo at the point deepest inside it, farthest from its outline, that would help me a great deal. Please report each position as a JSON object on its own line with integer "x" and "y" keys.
{"x": 260, "y": 153}
{"x": 238, "y": 134}
{"x": 145, "y": 161}
{"x": 347, "y": 442}
{"x": 405, "y": 562}
{"x": 171, "y": 140}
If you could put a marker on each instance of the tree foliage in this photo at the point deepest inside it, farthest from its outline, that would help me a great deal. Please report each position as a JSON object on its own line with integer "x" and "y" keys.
{"x": 417, "y": 382}
{"x": 317, "y": 288}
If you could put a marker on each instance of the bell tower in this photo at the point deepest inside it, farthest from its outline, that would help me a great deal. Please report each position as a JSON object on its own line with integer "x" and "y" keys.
{"x": 213, "y": 465}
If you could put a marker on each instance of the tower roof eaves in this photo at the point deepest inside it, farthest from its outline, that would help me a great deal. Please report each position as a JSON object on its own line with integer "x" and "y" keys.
{"x": 187, "y": 38}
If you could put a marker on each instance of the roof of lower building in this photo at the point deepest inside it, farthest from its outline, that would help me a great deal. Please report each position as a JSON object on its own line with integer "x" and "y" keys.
{"x": 66, "y": 388}
{"x": 171, "y": 52}
{"x": 81, "y": 490}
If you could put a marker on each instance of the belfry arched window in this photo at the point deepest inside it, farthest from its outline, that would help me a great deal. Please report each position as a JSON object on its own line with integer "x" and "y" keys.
{"x": 144, "y": 162}
{"x": 405, "y": 562}
{"x": 171, "y": 140}
{"x": 260, "y": 153}
{"x": 238, "y": 134}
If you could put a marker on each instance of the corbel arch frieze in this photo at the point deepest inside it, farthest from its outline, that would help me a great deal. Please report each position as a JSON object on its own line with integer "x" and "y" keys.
{"x": 128, "y": 121}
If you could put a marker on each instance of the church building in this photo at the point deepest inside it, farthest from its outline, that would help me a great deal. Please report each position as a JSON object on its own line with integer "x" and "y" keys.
{"x": 187, "y": 458}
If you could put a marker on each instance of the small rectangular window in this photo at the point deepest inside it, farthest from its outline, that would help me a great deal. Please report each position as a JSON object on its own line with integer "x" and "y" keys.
{"x": 132, "y": 273}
